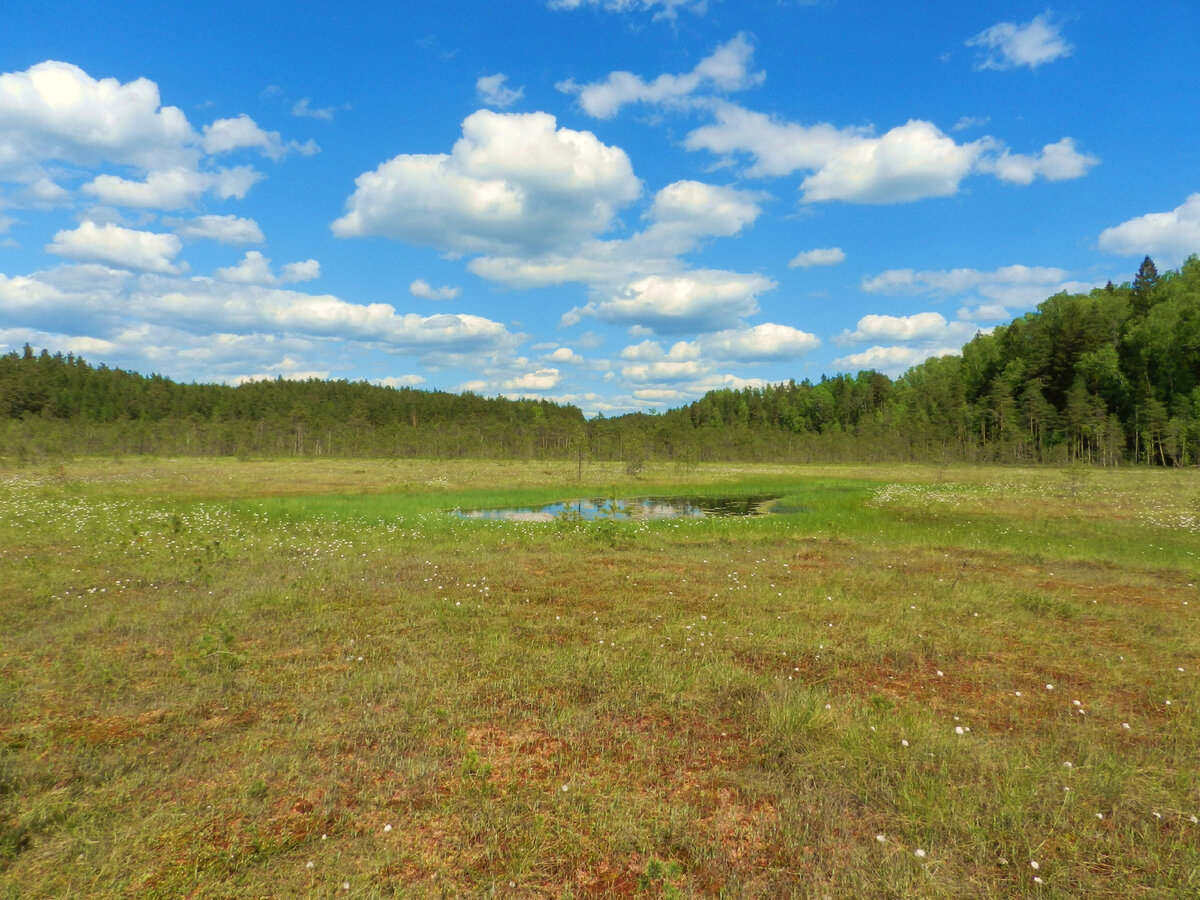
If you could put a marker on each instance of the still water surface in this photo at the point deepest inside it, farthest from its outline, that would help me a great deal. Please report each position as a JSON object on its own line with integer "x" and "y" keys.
{"x": 630, "y": 508}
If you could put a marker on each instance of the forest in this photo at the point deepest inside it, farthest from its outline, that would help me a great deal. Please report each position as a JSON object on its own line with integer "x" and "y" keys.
{"x": 1109, "y": 377}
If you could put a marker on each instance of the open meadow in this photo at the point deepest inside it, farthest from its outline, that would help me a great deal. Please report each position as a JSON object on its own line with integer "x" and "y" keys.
{"x": 227, "y": 678}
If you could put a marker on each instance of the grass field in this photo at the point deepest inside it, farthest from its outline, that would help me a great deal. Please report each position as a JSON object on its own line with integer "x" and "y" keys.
{"x": 263, "y": 679}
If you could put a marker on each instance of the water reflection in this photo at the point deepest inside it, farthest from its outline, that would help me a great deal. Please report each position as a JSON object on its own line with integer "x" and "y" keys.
{"x": 630, "y": 508}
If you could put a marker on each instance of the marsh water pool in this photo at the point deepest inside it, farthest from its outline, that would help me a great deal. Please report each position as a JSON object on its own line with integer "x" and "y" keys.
{"x": 627, "y": 508}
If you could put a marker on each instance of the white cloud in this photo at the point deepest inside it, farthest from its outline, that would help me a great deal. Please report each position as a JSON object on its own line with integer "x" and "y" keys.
{"x": 1011, "y": 285}
{"x": 514, "y": 183}
{"x": 223, "y": 229}
{"x": 725, "y": 70}
{"x": 228, "y": 135}
{"x": 56, "y": 111}
{"x": 968, "y": 122}
{"x": 663, "y": 9}
{"x": 172, "y": 188}
{"x": 823, "y": 256}
{"x": 541, "y": 380}
{"x": 909, "y": 162}
{"x": 1170, "y": 236}
{"x": 423, "y": 289}
{"x": 893, "y": 361}
{"x": 1056, "y": 162}
{"x": 42, "y": 193}
{"x": 760, "y": 343}
{"x": 682, "y": 216}
{"x": 565, "y": 355}
{"x": 302, "y": 109}
{"x": 1007, "y": 45}
{"x": 686, "y": 212}
{"x": 698, "y": 300}
{"x": 143, "y": 250}
{"x": 491, "y": 91}
{"x": 399, "y": 381}
{"x": 256, "y": 269}
{"x": 926, "y": 326}
{"x": 855, "y": 165}
{"x": 105, "y": 304}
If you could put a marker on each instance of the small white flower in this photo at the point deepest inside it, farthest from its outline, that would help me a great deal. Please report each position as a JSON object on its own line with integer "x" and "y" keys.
{"x": 1049, "y": 687}
{"x": 1076, "y": 703}
{"x": 1037, "y": 879}
{"x": 958, "y": 729}
{"x": 387, "y": 828}
{"x": 1099, "y": 815}
{"x": 309, "y": 864}
{"x": 1033, "y": 864}
{"x": 1124, "y": 724}
{"x": 881, "y": 838}
{"x": 919, "y": 853}
{"x": 1018, "y": 693}
{"x": 903, "y": 743}
{"x": 565, "y": 788}
{"x": 1068, "y": 765}
{"x": 941, "y": 674}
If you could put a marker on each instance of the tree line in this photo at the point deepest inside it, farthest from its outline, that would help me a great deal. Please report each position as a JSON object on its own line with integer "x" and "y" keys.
{"x": 1107, "y": 377}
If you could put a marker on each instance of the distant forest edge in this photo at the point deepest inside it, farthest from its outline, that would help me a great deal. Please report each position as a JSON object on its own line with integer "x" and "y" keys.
{"x": 1109, "y": 377}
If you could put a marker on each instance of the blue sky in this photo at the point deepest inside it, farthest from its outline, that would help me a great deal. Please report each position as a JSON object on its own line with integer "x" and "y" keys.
{"x": 619, "y": 204}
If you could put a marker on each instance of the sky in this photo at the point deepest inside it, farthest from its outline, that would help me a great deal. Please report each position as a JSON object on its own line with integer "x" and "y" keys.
{"x": 618, "y": 204}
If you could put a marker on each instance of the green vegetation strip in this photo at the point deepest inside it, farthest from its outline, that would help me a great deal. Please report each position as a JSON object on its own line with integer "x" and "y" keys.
{"x": 277, "y": 679}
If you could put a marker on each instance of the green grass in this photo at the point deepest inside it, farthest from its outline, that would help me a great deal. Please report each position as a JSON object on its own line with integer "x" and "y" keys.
{"x": 214, "y": 675}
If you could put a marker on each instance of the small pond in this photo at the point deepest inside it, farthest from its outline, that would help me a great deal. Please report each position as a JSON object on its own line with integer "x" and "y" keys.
{"x": 631, "y": 508}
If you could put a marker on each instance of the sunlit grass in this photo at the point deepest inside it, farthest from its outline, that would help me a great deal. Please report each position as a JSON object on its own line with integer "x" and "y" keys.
{"x": 206, "y": 687}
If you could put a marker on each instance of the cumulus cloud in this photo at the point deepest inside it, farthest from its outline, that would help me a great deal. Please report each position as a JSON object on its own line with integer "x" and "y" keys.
{"x": 172, "y": 188}
{"x": 1171, "y": 236}
{"x": 399, "y": 381}
{"x": 726, "y": 69}
{"x": 512, "y": 184}
{"x": 1011, "y": 285}
{"x": 1056, "y": 162}
{"x": 767, "y": 342}
{"x": 109, "y": 303}
{"x": 1007, "y": 45}
{"x": 822, "y": 256}
{"x": 893, "y": 361}
{"x": 242, "y": 132}
{"x": 423, "y": 289}
{"x": 223, "y": 229}
{"x": 697, "y": 301}
{"x": 540, "y": 380}
{"x": 926, "y": 326}
{"x": 909, "y": 162}
{"x": 565, "y": 355}
{"x": 256, "y": 269}
{"x": 56, "y": 111}
{"x": 125, "y": 247}
{"x": 681, "y": 217}
{"x": 491, "y": 91}
{"x": 856, "y": 165}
